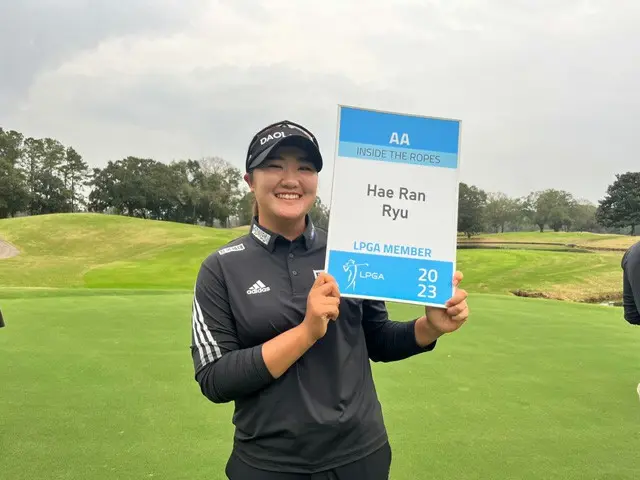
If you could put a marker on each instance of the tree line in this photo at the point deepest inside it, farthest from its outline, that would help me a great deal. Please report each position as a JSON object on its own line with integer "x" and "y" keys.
{"x": 41, "y": 175}
{"x": 552, "y": 209}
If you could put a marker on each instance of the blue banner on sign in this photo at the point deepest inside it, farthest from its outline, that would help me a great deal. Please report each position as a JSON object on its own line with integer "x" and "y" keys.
{"x": 393, "y": 130}
{"x": 423, "y": 158}
{"x": 395, "y": 278}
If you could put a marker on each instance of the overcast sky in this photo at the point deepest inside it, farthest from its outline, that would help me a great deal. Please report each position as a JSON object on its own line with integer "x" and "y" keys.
{"x": 546, "y": 87}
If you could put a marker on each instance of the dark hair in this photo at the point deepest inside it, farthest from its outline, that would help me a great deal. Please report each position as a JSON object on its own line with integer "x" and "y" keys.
{"x": 254, "y": 206}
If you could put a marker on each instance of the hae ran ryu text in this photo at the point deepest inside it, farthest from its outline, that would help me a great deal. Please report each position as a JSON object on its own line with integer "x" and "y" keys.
{"x": 403, "y": 194}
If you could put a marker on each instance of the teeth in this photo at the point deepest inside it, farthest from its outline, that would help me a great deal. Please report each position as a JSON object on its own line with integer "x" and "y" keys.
{"x": 288, "y": 196}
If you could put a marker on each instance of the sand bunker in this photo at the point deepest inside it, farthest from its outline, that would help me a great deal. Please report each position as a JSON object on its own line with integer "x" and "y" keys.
{"x": 7, "y": 250}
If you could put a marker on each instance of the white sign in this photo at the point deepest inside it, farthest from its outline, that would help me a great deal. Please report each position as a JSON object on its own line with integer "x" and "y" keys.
{"x": 394, "y": 207}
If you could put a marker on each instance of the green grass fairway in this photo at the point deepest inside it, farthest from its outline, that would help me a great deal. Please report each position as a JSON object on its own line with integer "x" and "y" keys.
{"x": 97, "y": 381}
{"x": 104, "y": 251}
{"x": 100, "y": 386}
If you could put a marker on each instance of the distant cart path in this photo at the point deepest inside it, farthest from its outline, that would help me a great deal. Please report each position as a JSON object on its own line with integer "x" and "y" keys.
{"x": 7, "y": 250}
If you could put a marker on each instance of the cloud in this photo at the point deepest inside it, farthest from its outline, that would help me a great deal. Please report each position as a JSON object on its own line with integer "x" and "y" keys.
{"x": 545, "y": 90}
{"x": 42, "y": 33}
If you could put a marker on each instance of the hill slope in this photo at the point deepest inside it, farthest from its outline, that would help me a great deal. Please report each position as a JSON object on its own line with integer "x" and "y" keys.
{"x": 105, "y": 251}
{"x": 71, "y": 250}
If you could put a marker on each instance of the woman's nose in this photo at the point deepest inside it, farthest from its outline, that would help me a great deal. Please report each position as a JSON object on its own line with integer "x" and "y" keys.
{"x": 290, "y": 175}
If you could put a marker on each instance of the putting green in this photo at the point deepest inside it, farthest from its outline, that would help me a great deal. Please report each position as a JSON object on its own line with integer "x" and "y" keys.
{"x": 101, "y": 386}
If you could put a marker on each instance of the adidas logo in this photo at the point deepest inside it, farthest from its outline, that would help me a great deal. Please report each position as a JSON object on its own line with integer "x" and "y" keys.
{"x": 257, "y": 287}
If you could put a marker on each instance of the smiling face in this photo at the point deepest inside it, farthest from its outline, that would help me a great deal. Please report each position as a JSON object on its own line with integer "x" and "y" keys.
{"x": 285, "y": 187}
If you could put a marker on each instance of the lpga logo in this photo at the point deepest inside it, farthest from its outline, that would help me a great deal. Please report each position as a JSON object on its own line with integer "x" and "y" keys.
{"x": 353, "y": 273}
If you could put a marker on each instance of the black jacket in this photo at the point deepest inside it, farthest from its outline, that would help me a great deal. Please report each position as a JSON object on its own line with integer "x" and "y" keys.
{"x": 324, "y": 411}
{"x": 631, "y": 284}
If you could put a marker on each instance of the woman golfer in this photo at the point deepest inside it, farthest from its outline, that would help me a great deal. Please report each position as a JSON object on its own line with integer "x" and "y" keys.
{"x": 272, "y": 334}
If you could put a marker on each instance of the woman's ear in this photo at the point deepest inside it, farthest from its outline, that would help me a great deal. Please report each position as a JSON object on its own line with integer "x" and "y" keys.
{"x": 249, "y": 179}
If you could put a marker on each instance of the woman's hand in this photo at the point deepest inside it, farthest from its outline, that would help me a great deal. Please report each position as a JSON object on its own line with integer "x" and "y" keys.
{"x": 323, "y": 305}
{"x": 451, "y": 318}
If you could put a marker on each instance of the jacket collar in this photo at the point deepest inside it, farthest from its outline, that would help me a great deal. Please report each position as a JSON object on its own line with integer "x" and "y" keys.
{"x": 267, "y": 239}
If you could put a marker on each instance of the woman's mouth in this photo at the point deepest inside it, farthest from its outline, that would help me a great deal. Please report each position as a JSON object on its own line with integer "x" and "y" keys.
{"x": 288, "y": 196}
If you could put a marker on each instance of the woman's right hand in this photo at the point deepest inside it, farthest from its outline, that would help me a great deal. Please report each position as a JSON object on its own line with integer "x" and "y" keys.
{"x": 323, "y": 304}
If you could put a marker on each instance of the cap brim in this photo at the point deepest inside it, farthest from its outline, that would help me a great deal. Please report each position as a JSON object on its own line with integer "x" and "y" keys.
{"x": 299, "y": 141}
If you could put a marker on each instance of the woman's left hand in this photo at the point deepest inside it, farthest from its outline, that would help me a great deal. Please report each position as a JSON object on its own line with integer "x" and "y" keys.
{"x": 449, "y": 319}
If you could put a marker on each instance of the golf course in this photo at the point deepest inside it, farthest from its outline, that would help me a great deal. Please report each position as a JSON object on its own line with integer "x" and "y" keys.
{"x": 96, "y": 377}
